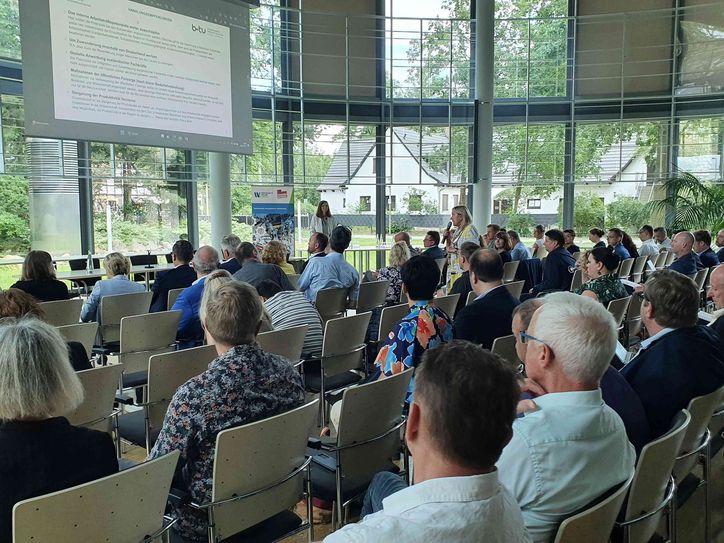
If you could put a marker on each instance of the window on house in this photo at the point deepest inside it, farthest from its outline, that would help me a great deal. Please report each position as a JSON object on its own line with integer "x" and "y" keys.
{"x": 533, "y": 203}
{"x": 456, "y": 200}
{"x": 392, "y": 203}
{"x": 445, "y": 202}
{"x": 502, "y": 207}
{"x": 365, "y": 204}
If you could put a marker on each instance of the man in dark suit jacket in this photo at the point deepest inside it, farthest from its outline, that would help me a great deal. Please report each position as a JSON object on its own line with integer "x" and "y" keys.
{"x": 702, "y": 248}
{"x": 228, "y": 253}
{"x": 316, "y": 247}
{"x": 432, "y": 245}
{"x": 490, "y": 316}
{"x": 680, "y": 360}
{"x": 556, "y": 270}
{"x": 180, "y": 277}
{"x": 687, "y": 263}
{"x": 720, "y": 244}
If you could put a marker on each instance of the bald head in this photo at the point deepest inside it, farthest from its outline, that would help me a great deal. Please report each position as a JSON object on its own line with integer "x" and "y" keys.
{"x": 205, "y": 260}
{"x": 716, "y": 290}
{"x": 682, "y": 243}
{"x": 402, "y": 236}
{"x": 486, "y": 270}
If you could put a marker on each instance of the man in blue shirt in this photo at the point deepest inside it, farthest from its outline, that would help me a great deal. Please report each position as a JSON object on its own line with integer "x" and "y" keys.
{"x": 615, "y": 237}
{"x": 333, "y": 270}
{"x": 519, "y": 251}
{"x": 686, "y": 262}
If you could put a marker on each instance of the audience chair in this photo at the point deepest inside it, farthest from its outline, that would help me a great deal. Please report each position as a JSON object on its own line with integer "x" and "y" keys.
{"x": 441, "y": 264}
{"x": 173, "y": 295}
{"x": 595, "y": 523}
{"x": 618, "y": 308}
{"x": 97, "y": 411}
{"x": 294, "y": 280}
{"x": 255, "y": 499}
{"x": 81, "y": 264}
{"x": 660, "y": 261}
{"x": 653, "y": 487}
{"x": 367, "y": 442}
{"x": 700, "y": 280}
{"x": 633, "y": 323}
{"x": 576, "y": 255}
{"x": 342, "y": 351}
{"x": 388, "y": 318}
{"x": 639, "y": 267}
{"x": 62, "y": 312}
{"x": 504, "y": 347}
{"x": 576, "y": 280}
{"x": 166, "y": 373}
{"x": 471, "y": 297}
{"x": 372, "y": 295}
{"x": 84, "y": 333}
{"x": 113, "y": 309}
{"x": 141, "y": 337}
{"x": 331, "y": 303}
{"x": 124, "y": 507}
{"x": 448, "y": 304}
{"x": 509, "y": 271}
{"x": 625, "y": 267}
{"x": 695, "y": 449}
{"x": 515, "y": 288}
{"x": 287, "y": 342}
{"x": 670, "y": 259}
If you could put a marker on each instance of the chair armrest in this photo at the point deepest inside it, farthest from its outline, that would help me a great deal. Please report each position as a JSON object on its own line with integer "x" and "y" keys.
{"x": 314, "y": 443}
{"x": 124, "y": 399}
{"x": 178, "y": 497}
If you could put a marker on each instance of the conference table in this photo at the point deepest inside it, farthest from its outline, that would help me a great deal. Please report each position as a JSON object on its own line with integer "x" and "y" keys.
{"x": 80, "y": 275}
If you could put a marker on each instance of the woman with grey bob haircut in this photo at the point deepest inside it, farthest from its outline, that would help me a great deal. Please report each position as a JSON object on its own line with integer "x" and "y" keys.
{"x": 36, "y": 378}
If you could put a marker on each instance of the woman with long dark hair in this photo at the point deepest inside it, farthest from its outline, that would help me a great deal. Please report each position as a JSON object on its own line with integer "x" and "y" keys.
{"x": 38, "y": 278}
{"x": 323, "y": 220}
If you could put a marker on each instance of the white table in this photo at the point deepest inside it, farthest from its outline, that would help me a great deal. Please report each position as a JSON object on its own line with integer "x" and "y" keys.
{"x": 80, "y": 275}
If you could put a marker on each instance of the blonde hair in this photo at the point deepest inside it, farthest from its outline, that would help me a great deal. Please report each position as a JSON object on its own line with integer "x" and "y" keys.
{"x": 399, "y": 254}
{"x": 116, "y": 264}
{"x": 231, "y": 312}
{"x": 274, "y": 253}
{"x": 463, "y": 210}
{"x": 36, "y": 378}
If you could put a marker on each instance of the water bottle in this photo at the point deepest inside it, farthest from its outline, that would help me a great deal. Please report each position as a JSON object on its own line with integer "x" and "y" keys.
{"x": 89, "y": 263}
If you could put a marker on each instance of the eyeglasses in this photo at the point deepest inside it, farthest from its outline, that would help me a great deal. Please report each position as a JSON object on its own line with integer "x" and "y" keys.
{"x": 642, "y": 296}
{"x": 524, "y": 337}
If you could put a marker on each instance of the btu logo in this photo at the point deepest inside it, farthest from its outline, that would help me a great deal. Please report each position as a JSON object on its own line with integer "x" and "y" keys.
{"x": 199, "y": 28}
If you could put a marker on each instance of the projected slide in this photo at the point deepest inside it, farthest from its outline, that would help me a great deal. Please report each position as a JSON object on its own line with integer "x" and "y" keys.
{"x": 127, "y": 71}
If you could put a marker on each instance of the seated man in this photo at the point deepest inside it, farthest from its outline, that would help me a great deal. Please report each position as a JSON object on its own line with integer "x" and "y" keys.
{"x": 687, "y": 263}
{"x": 491, "y": 314}
{"x": 228, "y": 253}
{"x": 616, "y": 391}
{"x": 462, "y": 284}
{"x": 289, "y": 308}
{"x": 662, "y": 241}
{"x": 243, "y": 384}
{"x": 569, "y": 447}
{"x": 680, "y": 360}
{"x": 702, "y": 248}
{"x": 332, "y": 271}
{"x": 423, "y": 328}
{"x": 253, "y": 271}
{"x": 519, "y": 251}
{"x": 716, "y": 293}
{"x": 557, "y": 273}
{"x": 615, "y": 242}
{"x": 432, "y": 245}
{"x": 404, "y": 236}
{"x": 720, "y": 244}
{"x": 316, "y": 247}
{"x": 648, "y": 245}
{"x": 205, "y": 261}
{"x": 569, "y": 236}
{"x": 181, "y": 276}
{"x": 455, "y": 440}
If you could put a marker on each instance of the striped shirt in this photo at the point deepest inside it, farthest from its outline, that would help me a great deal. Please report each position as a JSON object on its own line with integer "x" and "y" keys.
{"x": 290, "y": 308}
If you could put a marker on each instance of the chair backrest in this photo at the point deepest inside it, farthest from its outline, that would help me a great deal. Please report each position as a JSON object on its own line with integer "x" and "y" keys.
{"x": 670, "y": 258}
{"x": 344, "y": 343}
{"x": 618, "y": 308}
{"x": 102, "y": 510}
{"x": 576, "y": 280}
{"x": 389, "y": 317}
{"x": 660, "y": 261}
{"x": 515, "y": 288}
{"x": 447, "y": 303}
{"x": 173, "y": 295}
{"x": 624, "y": 270}
{"x": 84, "y": 333}
{"x": 701, "y": 409}
{"x": 441, "y": 262}
{"x": 652, "y": 477}
{"x": 639, "y": 265}
{"x": 281, "y": 441}
{"x": 700, "y": 278}
{"x": 594, "y": 525}
{"x": 62, "y": 312}
{"x": 331, "y": 303}
{"x": 633, "y": 315}
{"x": 471, "y": 297}
{"x": 294, "y": 280}
{"x": 505, "y": 348}
{"x": 114, "y": 308}
{"x": 146, "y": 335}
{"x": 371, "y": 411}
{"x": 100, "y": 385}
{"x": 287, "y": 342}
{"x": 509, "y": 271}
{"x": 372, "y": 295}
{"x": 168, "y": 371}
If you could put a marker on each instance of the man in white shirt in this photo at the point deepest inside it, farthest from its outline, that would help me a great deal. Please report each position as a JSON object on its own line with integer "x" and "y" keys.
{"x": 648, "y": 245}
{"x": 455, "y": 440}
{"x": 662, "y": 241}
{"x": 569, "y": 448}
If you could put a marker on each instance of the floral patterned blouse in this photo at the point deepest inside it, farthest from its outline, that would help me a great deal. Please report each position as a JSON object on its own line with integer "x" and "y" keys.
{"x": 607, "y": 287}
{"x": 392, "y": 274}
{"x": 424, "y": 327}
{"x": 243, "y": 385}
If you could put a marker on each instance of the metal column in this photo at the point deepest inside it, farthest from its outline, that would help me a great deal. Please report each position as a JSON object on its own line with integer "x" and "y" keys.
{"x": 482, "y": 190}
{"x": 569, "y": 188}
{"x": 220, "y": 197}
{"x": 192, "y": 198}
{"x": 85, "y": 191}
{"x": 380, "y": 143}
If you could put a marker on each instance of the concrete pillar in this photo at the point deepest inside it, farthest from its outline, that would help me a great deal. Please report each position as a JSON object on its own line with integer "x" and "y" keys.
{"x": 219, "y": 197}
{"x": 482, "y": 190}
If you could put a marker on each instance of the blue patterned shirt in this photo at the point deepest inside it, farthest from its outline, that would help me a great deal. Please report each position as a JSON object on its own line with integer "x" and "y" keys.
{"x": 331, "y": 271}
{"x": 424, "y": 327}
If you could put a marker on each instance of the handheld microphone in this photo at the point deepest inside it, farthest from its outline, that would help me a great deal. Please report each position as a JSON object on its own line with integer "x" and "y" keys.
{"x": 449, "y": 225}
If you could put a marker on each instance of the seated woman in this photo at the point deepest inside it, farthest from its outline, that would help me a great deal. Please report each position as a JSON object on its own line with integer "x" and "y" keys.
{"x": 503, "y": 246}
{"x": 38, "y": 278}
{"x": 16, "y": 304}
{"x": 243, "y": 384}
{"x": 399, "y": 254}
{"x": 40, "y": 452}
{"x": 276, "y": 253}
{"x": 604, "y": 285}
{"x": 117, "y": 269}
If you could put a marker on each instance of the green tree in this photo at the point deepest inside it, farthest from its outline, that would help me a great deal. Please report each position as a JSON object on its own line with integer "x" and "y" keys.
{"x": 588, "y": 211}
{"x": 14, "y": 215}
{"x": 416, "y": 201}
{"x": 521, "y": 223}
{"x": 626, "y": 213}
{"x": 692, "y": 204}
{"x": 9, "y": 29}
